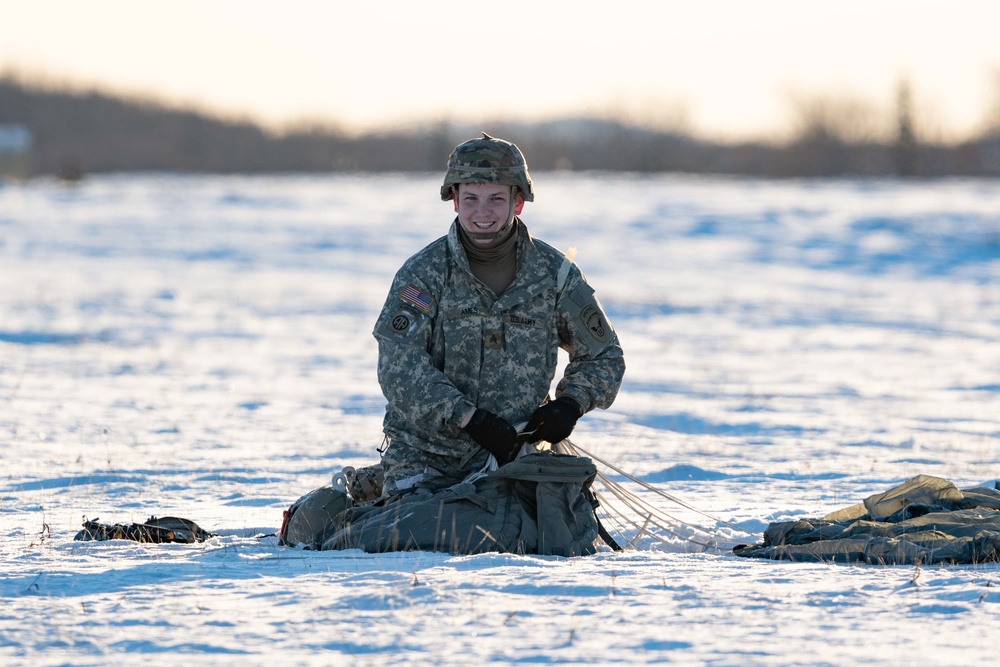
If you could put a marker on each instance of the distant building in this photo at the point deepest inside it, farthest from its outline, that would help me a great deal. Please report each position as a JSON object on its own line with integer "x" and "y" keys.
{"x": 15, "y": 150}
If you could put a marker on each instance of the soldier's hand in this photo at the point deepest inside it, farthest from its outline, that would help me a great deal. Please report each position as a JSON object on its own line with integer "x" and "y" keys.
{"x": 494, "y": 434}
{"x": 553, "y": 421}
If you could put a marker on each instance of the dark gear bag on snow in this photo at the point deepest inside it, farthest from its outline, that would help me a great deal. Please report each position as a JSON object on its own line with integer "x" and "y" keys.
{"x": 155, "y": 530}
{"x": 311, "y": 515}
{"x": 537, "y": 504}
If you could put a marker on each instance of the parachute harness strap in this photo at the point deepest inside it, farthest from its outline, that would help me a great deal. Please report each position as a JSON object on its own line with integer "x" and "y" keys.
{"x": 564, "y": 268}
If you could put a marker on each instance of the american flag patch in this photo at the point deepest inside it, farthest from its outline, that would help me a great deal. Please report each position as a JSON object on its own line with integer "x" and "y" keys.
{"x": 416, "y": 298}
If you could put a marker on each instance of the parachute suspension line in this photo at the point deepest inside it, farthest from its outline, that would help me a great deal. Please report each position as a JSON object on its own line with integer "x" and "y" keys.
{"x": 627, "y": 509}
{"x": 660, "y": 492}
{"x": 634, "y": 518}
{"x": 645, "y": 525}
{"x": 564, "y": 268}
{"x": 609, "y": 516}
{"x": 640, "y": 507}
{"x": 637, "y": 505}
{"x": 637, "y": 508}
{"x": 661, "y": 533}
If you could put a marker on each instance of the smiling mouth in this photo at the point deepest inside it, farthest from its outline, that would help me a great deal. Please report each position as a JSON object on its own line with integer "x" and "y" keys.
{"x": 484, "y": 225}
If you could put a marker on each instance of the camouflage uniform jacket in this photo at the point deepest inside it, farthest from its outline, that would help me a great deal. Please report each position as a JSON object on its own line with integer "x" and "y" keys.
{"x": 448, "y": 344}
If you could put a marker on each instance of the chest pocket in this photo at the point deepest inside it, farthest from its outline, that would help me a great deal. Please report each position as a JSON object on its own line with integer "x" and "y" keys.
{"x": 462, "y": 343}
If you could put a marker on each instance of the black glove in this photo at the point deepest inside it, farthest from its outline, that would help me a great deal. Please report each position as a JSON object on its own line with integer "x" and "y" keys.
{"x": 553, "y": 421}
{"x": 494, "y": 434}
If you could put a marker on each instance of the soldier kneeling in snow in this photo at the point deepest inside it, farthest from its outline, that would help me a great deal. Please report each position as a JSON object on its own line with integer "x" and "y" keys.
{"x": 468, "y": 347}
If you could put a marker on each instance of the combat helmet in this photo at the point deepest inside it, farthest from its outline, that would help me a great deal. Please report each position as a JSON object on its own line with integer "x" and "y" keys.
{"x": 487, "y": 160}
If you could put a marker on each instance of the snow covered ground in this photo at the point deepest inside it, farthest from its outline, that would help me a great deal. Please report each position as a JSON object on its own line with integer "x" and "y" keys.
{"x": 200, "y": 347}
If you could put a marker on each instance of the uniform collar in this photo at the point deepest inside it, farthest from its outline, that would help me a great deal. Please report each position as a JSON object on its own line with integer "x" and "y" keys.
{"x": 525, "y": 245}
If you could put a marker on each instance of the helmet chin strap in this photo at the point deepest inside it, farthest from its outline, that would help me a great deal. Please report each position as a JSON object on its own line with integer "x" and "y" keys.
{"x": 504, "y": 228}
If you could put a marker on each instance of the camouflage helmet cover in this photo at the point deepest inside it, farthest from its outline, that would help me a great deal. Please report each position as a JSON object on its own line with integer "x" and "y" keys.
{"x": 487, "y": 160}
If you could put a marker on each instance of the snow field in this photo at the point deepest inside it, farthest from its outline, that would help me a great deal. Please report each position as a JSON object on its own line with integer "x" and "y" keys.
{"x": 200, "y": 346}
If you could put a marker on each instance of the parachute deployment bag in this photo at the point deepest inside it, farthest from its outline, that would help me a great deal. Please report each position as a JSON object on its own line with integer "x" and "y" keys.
{"x": 552, "y": 490}
{"x": 536, "y": 504}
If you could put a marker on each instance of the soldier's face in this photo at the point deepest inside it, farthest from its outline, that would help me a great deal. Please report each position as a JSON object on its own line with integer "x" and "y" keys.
{"x": 485, "y": 207}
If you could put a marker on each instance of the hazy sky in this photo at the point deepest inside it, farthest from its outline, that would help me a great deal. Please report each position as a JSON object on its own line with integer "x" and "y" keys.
{"x": 729, "y": 67}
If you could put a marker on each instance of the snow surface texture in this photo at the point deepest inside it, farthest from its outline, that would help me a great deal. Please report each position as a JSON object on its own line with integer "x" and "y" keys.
{"x": 200, "y": 347}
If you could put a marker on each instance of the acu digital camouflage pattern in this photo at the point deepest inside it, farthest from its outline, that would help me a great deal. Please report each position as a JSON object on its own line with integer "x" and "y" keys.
{"x": 487, "y": 160}
{"x": 447, "y": 345}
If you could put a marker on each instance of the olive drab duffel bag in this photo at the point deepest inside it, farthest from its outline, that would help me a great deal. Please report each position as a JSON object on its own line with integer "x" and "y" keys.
{"x": 538, "y": 504}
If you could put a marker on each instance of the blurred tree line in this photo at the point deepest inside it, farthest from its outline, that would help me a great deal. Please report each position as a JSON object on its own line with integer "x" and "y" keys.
{"x": 77, "y": 132}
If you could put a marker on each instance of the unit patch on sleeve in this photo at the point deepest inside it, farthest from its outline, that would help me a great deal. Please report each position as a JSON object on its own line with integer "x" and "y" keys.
{"x": 588, "y": 318}
{"x": 593, "y": 319}
{"x": 403, "y": 322}
{"x": 416, "y": 298}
